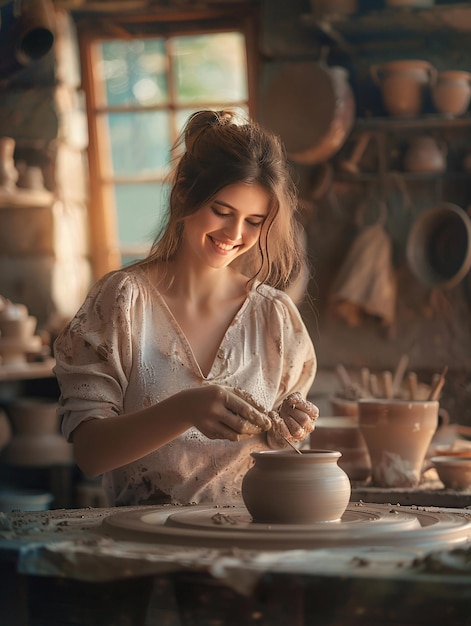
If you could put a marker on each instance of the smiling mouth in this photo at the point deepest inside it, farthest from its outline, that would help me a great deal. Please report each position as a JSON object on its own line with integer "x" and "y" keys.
{"x": 225, "y": 247}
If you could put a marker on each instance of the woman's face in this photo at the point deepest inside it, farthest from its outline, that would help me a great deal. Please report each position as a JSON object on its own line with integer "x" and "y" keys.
{"x": 228, "y": 226}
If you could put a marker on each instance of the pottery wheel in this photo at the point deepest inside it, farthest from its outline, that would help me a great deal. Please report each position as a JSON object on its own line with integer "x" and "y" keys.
{"x": 228, "y": 527}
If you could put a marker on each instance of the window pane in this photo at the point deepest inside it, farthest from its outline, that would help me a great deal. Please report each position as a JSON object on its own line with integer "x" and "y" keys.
{"x": 210, "y": 68}
{"x": 134, "y": 72}
{"x": 141, "y": 210}
{"x": 140, "y": 142}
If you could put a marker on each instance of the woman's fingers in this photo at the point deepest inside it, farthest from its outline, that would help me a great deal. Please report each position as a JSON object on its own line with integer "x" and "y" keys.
{"x": 299, "y": 416}
{"x": 249, "y": 419}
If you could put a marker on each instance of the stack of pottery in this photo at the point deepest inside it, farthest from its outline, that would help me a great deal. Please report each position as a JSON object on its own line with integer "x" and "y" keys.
{"x": 17, "y": 328}
{"x": 36, "y": 439}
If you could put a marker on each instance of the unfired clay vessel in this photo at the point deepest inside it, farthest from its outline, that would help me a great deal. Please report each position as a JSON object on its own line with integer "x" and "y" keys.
{"x": 343, "y": 434}
{"x": 289, "y": 488}
{"x": 398, "y": 434}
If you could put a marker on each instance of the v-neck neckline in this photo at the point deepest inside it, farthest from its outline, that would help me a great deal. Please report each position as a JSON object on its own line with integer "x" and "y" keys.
{"x": 182, "y": 335}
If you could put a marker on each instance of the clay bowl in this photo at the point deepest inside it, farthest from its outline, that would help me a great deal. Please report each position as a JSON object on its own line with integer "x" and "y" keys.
{"x": 453, "y": 471}
{"x": 283, "y": 487}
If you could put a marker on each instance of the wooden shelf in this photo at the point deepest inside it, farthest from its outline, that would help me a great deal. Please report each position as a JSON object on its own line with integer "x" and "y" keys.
{"x": 425, "y": 122}
{"x": 408, "y": 176}
{"x": 356, "y": 31}
{"x": 24, "y": 198}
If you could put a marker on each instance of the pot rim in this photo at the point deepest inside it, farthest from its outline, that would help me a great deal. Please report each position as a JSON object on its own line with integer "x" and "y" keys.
{"x": 451, "y": 461}
{"x": 306, "y": 453}
{"x": 395, "y": 401}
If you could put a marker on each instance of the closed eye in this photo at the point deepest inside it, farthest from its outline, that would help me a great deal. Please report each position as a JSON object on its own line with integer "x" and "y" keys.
{"x": 255, "y": 222}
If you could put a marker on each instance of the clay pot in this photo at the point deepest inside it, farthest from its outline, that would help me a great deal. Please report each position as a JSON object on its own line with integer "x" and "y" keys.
{"x": 343, "y": 434}
{"x": 454, "y": 472}
{"x": 398, "y": 434}
{"x": 439, "y": 246}
{"x": 36, "y": 439}
{"x": 452, "y": 92}
{"x": 289, "y": 488}
{"x": 402, "y": 85}
{"x": 425, "y": 154}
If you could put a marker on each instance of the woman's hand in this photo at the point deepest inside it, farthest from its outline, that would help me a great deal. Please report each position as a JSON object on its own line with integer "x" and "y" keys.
{"x": 221, "y": 413}
{"x": 297, "y": 418}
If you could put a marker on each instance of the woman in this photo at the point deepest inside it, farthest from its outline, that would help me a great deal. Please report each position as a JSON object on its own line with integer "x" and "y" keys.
{"x": 171, "y": 366}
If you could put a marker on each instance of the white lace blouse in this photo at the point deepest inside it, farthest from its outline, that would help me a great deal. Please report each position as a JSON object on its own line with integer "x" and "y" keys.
{"x": 124, "y": 351}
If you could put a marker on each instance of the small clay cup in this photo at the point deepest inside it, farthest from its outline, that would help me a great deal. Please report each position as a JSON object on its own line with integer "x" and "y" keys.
{"x": 283, "y": 487}
{"x": 454, "y": 472}
{"x": 398, "y": 434}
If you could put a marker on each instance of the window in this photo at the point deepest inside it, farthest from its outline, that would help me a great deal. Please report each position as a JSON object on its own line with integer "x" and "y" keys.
{"x": 140, "y": 91}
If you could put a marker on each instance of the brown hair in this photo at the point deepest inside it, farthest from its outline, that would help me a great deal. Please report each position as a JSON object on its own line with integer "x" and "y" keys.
{"x": 221, "y": 149}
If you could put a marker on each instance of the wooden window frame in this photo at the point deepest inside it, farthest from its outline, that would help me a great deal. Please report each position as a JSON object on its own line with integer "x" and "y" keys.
{"x": 104, "y": 244}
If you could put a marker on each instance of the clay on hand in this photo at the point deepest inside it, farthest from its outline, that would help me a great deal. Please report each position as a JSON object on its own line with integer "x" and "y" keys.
{"x": 294, "y": 420}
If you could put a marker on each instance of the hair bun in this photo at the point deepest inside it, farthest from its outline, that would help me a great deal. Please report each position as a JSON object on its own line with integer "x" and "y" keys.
{"x": 202, "y": 120}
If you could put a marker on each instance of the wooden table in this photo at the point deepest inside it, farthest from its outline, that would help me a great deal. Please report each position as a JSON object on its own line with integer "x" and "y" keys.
{"x": 58, "y": 567}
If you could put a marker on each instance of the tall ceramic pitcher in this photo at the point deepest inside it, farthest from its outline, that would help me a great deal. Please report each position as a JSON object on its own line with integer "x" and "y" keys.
{"x": 402, "y": 84}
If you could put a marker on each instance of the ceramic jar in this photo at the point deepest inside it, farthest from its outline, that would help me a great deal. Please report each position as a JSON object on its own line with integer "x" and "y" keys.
{"x": 289, "y": 488}
{"x": 425, "y": 154}
{"x": 402, "y": 84}
{"x": 451, "y": 92}
{"x": 398, "y": 434}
